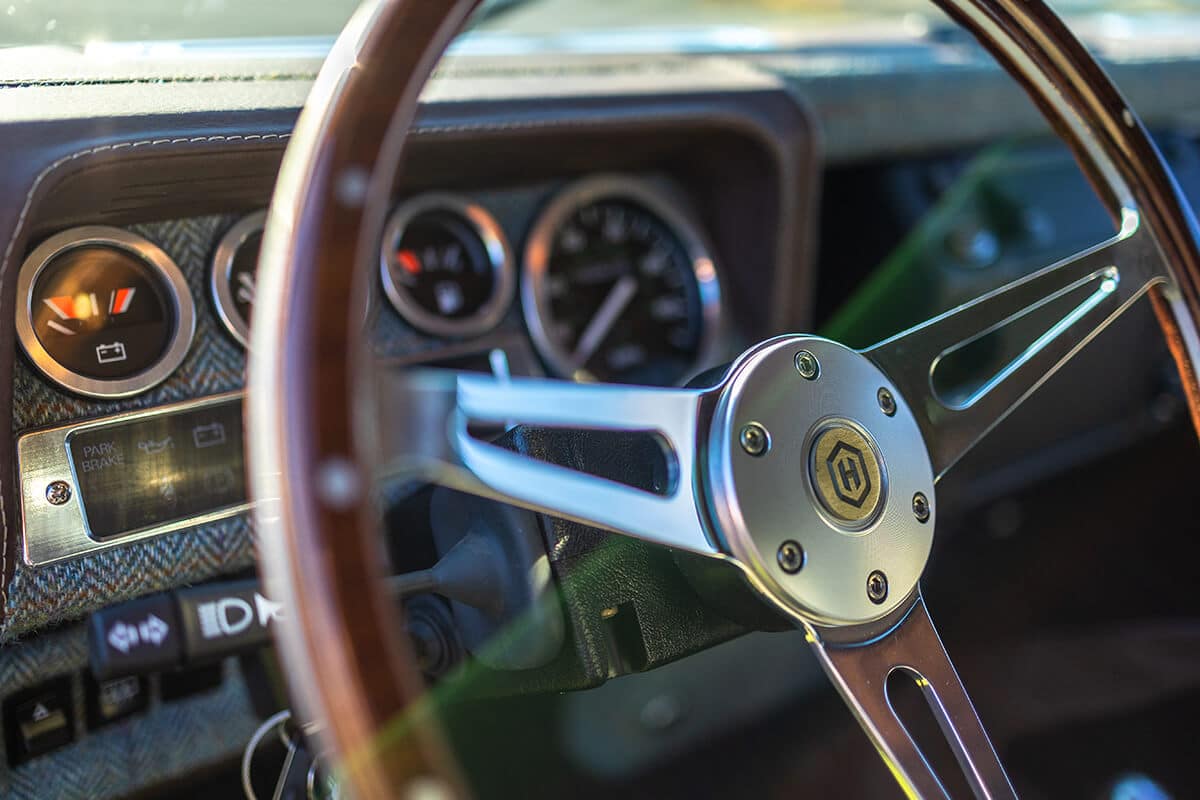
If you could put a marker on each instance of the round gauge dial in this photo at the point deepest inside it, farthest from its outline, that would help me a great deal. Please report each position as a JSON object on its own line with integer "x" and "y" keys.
{"x": 104, "y": 312}
{"x": 233, "y": 274}
{"x": 446, "y": 266}
{"x": 618, "y": 285}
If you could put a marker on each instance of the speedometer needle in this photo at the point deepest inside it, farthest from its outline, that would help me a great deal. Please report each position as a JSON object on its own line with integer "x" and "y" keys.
{"x": 614, "y": 303}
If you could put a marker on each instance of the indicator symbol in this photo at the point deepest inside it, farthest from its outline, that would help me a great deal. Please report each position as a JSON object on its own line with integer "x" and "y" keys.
{"x": 122, "y": 690}
{"x": 110, "y": 353}
{"x": 210, "y": 435}
{"x": 155, "y": 446}
{"x": 449, "y": 297}
{"x": 267, "y": 609}
{"x": 153, "y": 630}
{"x": 125, "y": 637}
{"x": 219, "y": 480}
{"x": 228, "y": 616}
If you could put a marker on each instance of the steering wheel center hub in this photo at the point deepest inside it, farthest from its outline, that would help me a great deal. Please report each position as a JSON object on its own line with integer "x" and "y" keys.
{"x": 837, "y": 478}
{"x": 847, "y": 473}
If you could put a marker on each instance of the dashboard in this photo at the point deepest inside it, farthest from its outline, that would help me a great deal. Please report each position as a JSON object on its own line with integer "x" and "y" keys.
{"x": 513, "y": 249}
{"x": 132, "y": 328}
{"x": 642, "y": 224}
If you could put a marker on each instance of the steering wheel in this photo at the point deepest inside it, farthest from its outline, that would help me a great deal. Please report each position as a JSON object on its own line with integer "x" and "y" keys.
{"x": 810, "y": 467}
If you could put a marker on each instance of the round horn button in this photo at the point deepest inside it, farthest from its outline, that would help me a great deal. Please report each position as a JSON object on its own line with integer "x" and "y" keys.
{"x": 847, "y": 473}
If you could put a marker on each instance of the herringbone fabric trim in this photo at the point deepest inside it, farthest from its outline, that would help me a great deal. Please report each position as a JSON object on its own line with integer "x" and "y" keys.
{"x": 167, "y": 741}
{"x": 215, "y": 363}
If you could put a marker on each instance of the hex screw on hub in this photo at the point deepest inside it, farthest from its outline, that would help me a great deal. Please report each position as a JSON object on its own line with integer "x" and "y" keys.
{"x": 887, "y": 403}
{"x": 921, "y": 507}
{"x": 58, "y": 492}
{"x": 807, "y": 365}
{"x": 790, "y": 557}
{"x": 754, "y": 439}
{"x": 877, "y": 587}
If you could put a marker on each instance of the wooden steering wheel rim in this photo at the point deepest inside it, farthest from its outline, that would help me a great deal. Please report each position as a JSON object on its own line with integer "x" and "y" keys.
{"x": 347, "y": 661}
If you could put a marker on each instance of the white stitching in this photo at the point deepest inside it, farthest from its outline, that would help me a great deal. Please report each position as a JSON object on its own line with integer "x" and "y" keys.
{"x": 17, "y": 230}
{"x": 493, "y": 127}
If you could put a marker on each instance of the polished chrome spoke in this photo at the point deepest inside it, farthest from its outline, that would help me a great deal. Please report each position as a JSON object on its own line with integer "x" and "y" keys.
{"x": 1106, "y": 280}
{"x": 426, "y": 434}
{"x": 860, "y": 672}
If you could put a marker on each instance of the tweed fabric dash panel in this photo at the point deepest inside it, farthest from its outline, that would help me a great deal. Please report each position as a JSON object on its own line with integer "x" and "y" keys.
{"x": 215, "y": 363}
{"x": 169, "y": 740}
{"x": 48, "y": 595}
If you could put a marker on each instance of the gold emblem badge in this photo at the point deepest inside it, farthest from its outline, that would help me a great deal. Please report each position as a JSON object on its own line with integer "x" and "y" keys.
{"x": 846, "y": 474}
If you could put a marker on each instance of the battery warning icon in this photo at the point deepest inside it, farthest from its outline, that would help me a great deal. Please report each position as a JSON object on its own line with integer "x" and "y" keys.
{"x": 110, "y": 353}
{"x": 210, "y": 435}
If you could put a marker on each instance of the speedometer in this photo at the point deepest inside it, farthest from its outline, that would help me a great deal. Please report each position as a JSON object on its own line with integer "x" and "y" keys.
{"x": 619, "y": 286}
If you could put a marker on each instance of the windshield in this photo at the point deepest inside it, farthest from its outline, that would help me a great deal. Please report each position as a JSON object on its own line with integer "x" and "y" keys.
{"x": 89, "y": 22}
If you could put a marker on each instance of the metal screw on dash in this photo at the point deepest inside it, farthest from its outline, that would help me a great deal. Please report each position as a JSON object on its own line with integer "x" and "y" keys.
{"x": 58, "y": 492}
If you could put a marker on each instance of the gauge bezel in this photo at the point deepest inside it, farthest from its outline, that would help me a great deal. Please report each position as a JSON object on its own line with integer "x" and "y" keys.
{"x": 655, "y": 197}
{"x": 138, "y": 247}
{"x": 222, "y": 266}
{"x": 500, "y": 256}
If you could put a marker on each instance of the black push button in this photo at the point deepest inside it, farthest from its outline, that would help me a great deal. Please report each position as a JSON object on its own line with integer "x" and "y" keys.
{"x": 39, "y": 720}
{"x": 135, "y": 638}
{"x": 221, "y": 619}
{"x": 189, "y": 626}
{"x": 109, "y": 701}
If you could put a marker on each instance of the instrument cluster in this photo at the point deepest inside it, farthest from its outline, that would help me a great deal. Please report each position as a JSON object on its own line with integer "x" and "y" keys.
{"x": 615, "y": 282}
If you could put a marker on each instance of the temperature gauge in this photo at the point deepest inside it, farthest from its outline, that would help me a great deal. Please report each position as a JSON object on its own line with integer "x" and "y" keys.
{"x": 103, "y": 312}
{"x": 446, "y": 266}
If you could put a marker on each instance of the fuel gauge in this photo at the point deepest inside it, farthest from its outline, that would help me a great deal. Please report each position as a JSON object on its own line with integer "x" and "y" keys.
{"x": 446, "y": 267}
